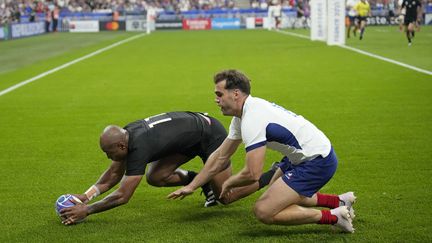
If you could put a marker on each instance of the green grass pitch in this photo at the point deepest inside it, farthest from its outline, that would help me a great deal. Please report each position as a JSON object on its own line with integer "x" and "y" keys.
{"x": 378, "y": 116}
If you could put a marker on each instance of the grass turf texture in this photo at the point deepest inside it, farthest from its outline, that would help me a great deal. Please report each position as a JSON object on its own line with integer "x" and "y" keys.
{"x": 377, "y": 115}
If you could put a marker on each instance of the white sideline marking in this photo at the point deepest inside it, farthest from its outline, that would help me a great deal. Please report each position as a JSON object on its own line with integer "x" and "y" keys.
{"x": 365, "y": 53}
{"x": 16, "y": 86}
{"x": 293, "y": 34}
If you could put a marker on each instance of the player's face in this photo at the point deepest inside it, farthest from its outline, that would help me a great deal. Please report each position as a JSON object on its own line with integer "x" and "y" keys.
{"x": 116, "y": 152}
{"x": 225, "y": 99}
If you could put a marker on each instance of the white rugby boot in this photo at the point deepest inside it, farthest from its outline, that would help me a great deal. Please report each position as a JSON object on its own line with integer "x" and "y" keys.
{"x": 344, "y": 219}
{"x": 348, "y": 199}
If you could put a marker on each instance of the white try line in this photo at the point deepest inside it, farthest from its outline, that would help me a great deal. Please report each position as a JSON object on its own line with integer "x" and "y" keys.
{"x": 365, "y": 53}
{"x": 16, "y": 86}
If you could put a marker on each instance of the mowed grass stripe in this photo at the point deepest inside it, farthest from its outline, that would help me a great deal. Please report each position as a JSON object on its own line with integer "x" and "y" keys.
{"x": 12, "y": 88}
{"x": 25, "y": 58}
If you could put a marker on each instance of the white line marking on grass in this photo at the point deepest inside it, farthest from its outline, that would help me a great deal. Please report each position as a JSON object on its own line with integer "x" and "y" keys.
{"x": 365, "y": 53}
{"x": 293, "y": 34}
{"x": 388, "y": 60}
{"x": 16, "y": 86}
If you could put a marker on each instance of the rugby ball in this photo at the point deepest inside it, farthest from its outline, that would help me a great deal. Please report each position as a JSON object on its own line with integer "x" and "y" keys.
{"x": 65, "y": 201}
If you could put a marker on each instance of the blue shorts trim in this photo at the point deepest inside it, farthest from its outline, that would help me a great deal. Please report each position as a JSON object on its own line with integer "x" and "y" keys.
{"x": 309, "y": 177}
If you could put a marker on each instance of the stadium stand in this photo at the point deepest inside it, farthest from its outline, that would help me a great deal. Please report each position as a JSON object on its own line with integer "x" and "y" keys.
{"x": 13, "y": 11}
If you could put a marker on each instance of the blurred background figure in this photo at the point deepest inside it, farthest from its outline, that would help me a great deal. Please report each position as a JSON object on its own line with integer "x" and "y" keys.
{"x": 363, "y": 9}
{"x": 412, "y": 17}
{"x": 303, "y": 14}
{"x": 274, "y": 14}
{"x": 55, "y": 17}
{"x": 351, "y": 20}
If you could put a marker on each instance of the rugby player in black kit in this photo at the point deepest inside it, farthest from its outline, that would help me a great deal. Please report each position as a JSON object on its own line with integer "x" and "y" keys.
{"x": 164, "y": 142}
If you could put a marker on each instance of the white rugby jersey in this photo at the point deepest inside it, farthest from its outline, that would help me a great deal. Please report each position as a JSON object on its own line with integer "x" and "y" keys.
{"x": 264, "y": 123}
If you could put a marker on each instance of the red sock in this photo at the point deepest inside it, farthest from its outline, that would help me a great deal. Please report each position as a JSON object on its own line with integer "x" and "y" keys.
{"x": 327, "y": 200}
{"x": 327, "y": 217}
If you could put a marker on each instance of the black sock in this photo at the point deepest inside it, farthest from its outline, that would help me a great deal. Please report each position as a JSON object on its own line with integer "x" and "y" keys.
{"x": 206, "y": 187}
{"x": 265, "y": 178}
{"x": 408, "y": 36}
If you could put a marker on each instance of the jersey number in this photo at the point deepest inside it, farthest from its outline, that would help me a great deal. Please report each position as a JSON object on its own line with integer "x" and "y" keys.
{"x": 157, "y": 119}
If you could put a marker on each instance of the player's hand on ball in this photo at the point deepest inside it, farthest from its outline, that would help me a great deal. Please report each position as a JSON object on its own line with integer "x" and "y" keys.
{"x": 181, "y": 193}
{"x": 82, "y": 197}
{"x": 74, "y": 214}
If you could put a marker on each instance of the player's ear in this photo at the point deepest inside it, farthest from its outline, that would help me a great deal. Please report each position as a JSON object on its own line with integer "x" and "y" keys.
{"x": 236, "y": 92}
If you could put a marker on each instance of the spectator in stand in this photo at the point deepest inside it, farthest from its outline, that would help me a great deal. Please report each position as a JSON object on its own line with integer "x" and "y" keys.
{"x": 55, "y": 17}
{"x": 31, "y": 10}
{"x": 391, "y": 6}
{"x": 39, "y": 7}
{"x": 48, "y": 18}
{"x": 379, "y": 5}
{"x": 13, "y": 14}
{"x": 263, "y": 4}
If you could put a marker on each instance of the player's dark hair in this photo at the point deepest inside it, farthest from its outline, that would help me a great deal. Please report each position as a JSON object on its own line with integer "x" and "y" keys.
{"x": 234, "y": 80}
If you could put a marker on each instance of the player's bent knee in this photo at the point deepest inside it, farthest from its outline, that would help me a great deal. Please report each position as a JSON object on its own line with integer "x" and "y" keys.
{"x": 263, "y": 215}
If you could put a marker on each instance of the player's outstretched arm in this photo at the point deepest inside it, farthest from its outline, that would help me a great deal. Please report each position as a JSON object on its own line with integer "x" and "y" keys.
{"x": 107, "y": 180}
{"x": 118, "y": 197}
{"x": 249, "y": 174}
{"x": 216, "y": 163}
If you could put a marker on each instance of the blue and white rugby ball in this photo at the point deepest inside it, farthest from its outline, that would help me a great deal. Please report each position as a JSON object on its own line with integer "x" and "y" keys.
{"x": 65, "y": 201}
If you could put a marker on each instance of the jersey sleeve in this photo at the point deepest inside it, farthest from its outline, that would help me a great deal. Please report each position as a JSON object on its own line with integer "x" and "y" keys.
{"x": 235, "y": 129}
{"x": 254, "y": 131}
{"x": 135, "y": 165}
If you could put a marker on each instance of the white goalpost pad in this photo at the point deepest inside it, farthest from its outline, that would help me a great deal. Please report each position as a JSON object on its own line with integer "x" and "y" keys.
{"x": 318, "y": 20}
{"x": 336, "y": 22}
{"x": 328, "y": 21}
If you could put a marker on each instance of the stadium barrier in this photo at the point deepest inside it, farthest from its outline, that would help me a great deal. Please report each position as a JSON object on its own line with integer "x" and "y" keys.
{"x": 428, "y": 19}
{"x": 225, "y": 23}
{"x": 169, "y": 24}
{"x": 84, "y": 26}
{"x": 188, "y": 20}
{"x": 3, "y": 32}
{"x": 15, "y": 31}
{"x": 112, "y": 25}
{"x": 197, "y": 24}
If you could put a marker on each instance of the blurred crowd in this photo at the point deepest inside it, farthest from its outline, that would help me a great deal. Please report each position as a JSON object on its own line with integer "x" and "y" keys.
{"x": 12, "y": 10}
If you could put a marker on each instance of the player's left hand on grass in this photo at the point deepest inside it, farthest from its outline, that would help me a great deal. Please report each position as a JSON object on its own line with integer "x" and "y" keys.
{"x": 181, "y": 193}
{"x": 74, "y": 214}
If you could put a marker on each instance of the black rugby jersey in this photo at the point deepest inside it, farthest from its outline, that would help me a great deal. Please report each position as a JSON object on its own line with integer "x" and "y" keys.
{"x": 165, "y": 134}
{"x": 411, "y": 7}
